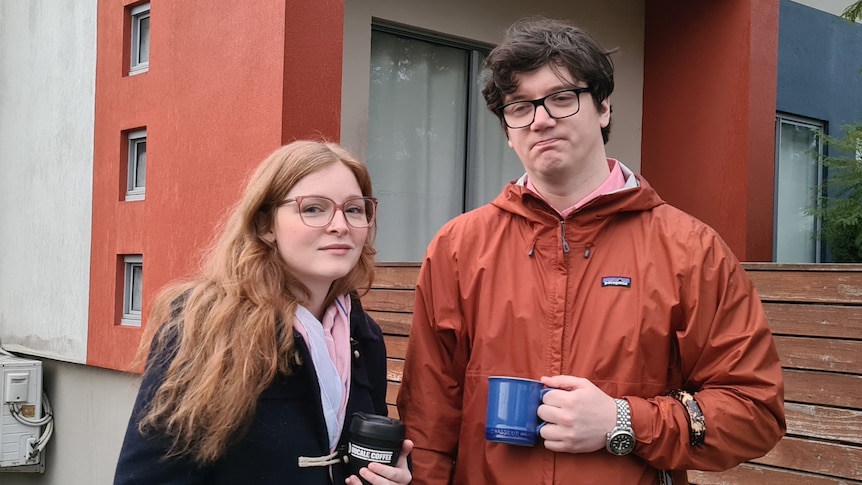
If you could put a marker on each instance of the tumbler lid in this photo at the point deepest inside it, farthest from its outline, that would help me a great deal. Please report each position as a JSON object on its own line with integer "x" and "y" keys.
{"x": 377, "y": 427}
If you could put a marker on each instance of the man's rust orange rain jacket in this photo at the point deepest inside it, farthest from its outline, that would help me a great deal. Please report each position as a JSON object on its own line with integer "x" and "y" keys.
{"x": 628, "y": 292}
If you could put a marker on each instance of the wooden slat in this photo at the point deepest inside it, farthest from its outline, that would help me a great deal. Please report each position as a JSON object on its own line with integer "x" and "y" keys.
{"x": 753, "y": 267}
{"x": 396, "y": 346}
{"x": 395, "y": 275}
{"x": 820, "y": 354}
{"x": 389, "y": 300}
{"x": 750, "y": 474}
{"x": 838, "y": 321}
{"x": 826, "y": 388}
{"x": 393, "y": 323}
{"x": 842, "y": 286}
{"x": 820, "y": 457}
{"x": 823, "y": 422}
{"x": 393, "y": 411}
{"x": 394, "y": 369}
{"x": 391, "y": 392}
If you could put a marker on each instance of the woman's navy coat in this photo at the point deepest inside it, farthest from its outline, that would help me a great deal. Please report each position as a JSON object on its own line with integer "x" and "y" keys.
{"x": 288, "y": 423}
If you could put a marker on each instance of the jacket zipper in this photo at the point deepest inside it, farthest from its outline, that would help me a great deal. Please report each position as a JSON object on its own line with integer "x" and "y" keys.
{"x": 566, "y": 292}
{"x": 563, "y": 236}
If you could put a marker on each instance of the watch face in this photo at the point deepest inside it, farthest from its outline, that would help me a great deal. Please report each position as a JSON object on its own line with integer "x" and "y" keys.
{"x": 621, "y": 443}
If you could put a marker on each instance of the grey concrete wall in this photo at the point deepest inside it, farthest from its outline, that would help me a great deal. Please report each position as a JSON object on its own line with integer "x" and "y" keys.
{"x": 91, "y": 408}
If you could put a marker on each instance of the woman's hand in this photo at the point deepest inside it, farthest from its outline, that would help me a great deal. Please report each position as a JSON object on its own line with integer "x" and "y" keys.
{"x": 380, "y": 474}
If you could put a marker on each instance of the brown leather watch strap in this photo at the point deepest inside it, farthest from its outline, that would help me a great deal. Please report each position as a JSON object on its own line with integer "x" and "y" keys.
{"x": 696, "y": 421}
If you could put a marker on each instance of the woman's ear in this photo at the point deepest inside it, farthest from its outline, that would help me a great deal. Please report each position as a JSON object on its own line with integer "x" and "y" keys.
{"x": 264, "y": 227}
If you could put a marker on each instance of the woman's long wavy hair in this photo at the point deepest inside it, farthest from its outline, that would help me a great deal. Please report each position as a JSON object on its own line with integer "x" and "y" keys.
{"x": 233, "y": 325}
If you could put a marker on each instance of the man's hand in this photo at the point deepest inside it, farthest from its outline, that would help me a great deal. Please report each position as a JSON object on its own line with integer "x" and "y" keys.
{"x": 578, "y": 414}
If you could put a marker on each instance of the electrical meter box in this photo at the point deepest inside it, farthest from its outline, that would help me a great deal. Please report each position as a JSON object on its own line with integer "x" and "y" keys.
{"x": 21, "y": 395}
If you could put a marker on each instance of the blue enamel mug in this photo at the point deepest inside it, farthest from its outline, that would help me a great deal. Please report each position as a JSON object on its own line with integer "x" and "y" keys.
{"x": 512, "y": 406}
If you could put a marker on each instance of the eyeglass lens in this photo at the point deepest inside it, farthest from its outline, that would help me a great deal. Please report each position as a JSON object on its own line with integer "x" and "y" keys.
{"x": 319, "y": 211}
{"x": 558, "y": 105}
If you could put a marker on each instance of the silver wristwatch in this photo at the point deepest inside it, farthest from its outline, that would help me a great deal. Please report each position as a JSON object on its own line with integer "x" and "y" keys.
{"x": 621, "y": 439}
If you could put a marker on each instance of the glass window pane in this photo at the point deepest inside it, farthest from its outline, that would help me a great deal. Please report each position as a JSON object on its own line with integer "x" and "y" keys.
{"x": 798, "y": 170}
{"x": 136, "y": 300}
{"x": 495, "y": 163}
{"x": 141, "y": 165}
{"x": 144, "y": 40}
{"x": 417, "y": 140}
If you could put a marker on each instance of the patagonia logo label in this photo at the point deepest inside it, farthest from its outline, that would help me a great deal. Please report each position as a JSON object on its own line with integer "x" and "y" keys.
{"x": 617, "y": 281}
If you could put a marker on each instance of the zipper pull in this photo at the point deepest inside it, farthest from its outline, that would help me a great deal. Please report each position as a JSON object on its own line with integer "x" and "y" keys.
{"x": 563, "y": 234}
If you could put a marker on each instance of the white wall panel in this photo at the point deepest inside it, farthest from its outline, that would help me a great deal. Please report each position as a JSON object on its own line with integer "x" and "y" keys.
{"x": 47, "y": 92}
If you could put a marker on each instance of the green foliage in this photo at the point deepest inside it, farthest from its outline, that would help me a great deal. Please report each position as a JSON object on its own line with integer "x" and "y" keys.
{"x": 853, "y": 12}
{"x": 839, "y": 198}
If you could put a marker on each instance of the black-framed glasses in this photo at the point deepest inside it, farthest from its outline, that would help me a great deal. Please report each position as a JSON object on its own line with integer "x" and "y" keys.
{"x": 318, "y": 211}
{"x": 561, "y": 104}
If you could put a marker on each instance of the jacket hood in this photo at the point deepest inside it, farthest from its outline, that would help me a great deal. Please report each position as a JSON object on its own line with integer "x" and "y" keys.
{"x": 636, "y": 196}
{"x": 581, "y": 230}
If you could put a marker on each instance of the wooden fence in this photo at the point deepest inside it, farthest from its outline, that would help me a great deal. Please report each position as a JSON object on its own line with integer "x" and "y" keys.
{"x": 815, "y": 312}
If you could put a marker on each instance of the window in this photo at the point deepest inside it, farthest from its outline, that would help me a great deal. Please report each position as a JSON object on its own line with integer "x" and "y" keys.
{"x": 434, "y": 149}
{"x": 137, "y": 168}
{"x": 140, "y": 40}
{"x": 799, "y": 171}
{"x": 132, "y": 295}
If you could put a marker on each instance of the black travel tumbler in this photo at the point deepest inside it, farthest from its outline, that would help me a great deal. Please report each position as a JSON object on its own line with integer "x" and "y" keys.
{"x": 373, "y": 438}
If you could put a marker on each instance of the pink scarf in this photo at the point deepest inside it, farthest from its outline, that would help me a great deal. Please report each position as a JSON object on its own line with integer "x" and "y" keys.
{"x": 329, "y": 345}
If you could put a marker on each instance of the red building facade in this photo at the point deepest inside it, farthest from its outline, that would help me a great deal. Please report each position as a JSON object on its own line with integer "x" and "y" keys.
{"x": 228, "y": 83}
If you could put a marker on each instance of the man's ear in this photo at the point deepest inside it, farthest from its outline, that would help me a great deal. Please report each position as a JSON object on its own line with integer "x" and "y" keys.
{"x": 605, "y": 112}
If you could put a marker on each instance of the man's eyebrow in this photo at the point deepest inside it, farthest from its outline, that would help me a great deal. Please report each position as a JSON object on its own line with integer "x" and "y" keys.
{"x": 514, "y": 96}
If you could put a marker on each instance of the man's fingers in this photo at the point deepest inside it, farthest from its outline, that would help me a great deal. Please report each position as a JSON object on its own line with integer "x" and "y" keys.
{"x": 568, "y": 383}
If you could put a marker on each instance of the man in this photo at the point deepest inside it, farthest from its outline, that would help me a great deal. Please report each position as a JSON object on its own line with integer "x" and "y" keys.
{"x": 637, "y": 315}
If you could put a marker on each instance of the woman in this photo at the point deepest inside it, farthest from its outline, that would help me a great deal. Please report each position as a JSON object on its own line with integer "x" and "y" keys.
{"x": 256, "y": 367}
